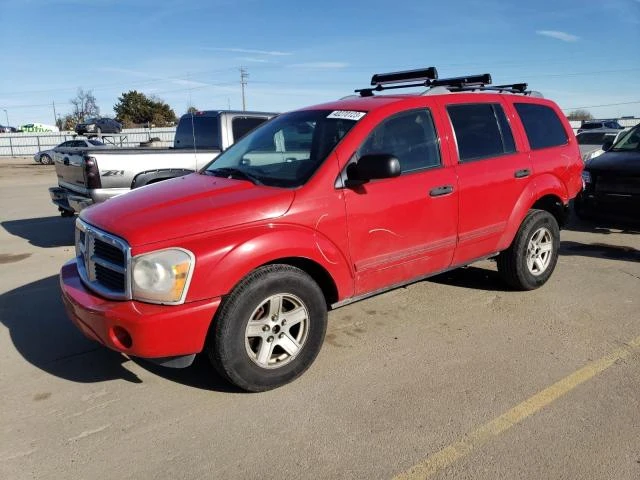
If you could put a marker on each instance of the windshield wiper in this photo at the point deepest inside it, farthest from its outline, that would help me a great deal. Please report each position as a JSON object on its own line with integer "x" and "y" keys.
{"x": 230, "y": 172}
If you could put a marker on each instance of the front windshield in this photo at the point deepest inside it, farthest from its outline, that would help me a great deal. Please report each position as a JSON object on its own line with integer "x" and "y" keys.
{"x": 629, "y": 141}
{"x": 286, "y": 151}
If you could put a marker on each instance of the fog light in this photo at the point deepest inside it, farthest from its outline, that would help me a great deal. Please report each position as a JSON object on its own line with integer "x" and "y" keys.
{"x": 121, "y": 338}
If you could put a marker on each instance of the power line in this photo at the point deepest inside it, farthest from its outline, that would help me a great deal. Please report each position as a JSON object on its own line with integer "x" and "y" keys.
{"x": 603, "y": 105}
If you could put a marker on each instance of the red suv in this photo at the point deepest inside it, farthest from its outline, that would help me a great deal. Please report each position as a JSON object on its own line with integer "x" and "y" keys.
{"x": 318, "y": 208}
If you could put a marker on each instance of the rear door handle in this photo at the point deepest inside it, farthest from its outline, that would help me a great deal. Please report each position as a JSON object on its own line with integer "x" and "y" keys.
{"x": 525, "y": 172}
{"x": 442, "y": 190}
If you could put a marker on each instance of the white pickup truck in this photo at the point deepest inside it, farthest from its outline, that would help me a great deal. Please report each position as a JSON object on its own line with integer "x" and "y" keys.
{"x": 87, "y": 176}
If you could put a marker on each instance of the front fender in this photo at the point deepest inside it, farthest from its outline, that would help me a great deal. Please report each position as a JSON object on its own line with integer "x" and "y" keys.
{"x": 219, "y": 270}
{"x": 542, "y": 186}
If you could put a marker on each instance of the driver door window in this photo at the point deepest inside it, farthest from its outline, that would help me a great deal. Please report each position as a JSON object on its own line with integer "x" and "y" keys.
{"x": 410, "y": 136}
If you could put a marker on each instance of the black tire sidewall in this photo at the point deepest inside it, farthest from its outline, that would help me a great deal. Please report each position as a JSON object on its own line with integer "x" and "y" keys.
{"x": 536, "y": 221}
{"x": 228, "y": 346}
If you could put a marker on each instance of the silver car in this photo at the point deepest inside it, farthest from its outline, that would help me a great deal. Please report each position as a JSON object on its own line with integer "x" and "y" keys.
{"x": 46, "y": 156}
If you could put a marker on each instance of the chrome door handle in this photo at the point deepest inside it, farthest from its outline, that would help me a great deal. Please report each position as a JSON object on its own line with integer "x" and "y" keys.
{"x": 442, "y": 190}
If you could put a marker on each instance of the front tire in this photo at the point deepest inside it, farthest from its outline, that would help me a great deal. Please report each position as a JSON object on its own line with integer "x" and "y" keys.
{"x": 532, "y": 256}
{"x": 270, "y": 329}
{"x": 46, "y": 160}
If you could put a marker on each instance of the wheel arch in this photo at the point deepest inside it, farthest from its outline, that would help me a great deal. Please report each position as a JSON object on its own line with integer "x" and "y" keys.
{"x": 547, "y": 192}
{"x": 239, "y": 255}
{"x": 154, "y": 176}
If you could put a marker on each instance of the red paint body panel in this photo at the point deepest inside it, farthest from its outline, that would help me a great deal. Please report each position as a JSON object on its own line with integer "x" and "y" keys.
{"x": 156, "y": 331}
{"x": 367, "y": 238}
{"x": 186, "y": 206}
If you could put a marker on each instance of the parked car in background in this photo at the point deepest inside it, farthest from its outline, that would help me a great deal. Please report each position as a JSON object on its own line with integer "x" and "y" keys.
{"x": 612, "y": 180}
{"x": 591, "y": 141}
{"x": 8, "y": 129}
{"x": 46, "y": 156}
{"x": 600, "y": 124}
{"x": 98, "y": 126}
{"x": 92, "y": 176}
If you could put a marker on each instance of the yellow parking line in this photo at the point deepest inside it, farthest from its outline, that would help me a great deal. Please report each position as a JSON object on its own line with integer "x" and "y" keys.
{"x": 478, "y": 437}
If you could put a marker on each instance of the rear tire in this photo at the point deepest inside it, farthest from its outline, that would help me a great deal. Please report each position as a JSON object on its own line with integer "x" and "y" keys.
{"x": 532, "y": 256}
{"x": 269, "y": 330}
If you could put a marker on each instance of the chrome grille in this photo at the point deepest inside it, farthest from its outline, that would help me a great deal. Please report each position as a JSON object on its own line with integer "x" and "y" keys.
{"x": 103, "y": 261}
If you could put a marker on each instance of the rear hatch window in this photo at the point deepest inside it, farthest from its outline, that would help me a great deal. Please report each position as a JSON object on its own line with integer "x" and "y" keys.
{"x": 198, "y": 132}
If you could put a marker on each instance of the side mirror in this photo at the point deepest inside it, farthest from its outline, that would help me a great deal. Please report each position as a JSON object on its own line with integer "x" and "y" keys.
{"x": 372, "y": 167}
{"x": 606, "y": 146}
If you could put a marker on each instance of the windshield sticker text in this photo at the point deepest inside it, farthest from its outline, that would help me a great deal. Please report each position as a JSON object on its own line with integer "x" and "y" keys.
{"x": 347, "y": 115}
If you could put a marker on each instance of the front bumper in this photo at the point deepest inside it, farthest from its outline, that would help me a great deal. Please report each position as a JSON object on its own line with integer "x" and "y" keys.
{"x": 154, "y": 331}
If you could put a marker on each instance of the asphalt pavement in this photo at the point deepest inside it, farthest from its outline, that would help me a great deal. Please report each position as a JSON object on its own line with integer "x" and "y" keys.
{"x": 454, "y": 377}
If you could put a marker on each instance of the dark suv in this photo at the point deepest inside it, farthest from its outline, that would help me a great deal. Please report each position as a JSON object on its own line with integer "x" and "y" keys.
{"x": 98, "y": 126}
{"x": 612, "y": 180}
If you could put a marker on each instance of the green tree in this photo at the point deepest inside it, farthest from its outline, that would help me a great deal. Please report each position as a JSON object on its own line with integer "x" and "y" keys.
{"x": 192, "y": 109}
{"x": 580, "y": 115}
{"x": 135, "y": 108}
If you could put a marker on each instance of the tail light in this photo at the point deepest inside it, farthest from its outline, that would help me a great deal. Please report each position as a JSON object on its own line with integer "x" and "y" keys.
{"x": 91, "y": 173}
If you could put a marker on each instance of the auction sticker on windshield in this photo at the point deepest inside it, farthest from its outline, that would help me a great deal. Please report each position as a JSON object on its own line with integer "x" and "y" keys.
{"x": 347, "y": 115}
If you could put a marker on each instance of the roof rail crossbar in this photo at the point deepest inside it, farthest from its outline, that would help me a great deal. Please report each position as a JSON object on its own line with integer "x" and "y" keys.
{"x": 368, "y": 92}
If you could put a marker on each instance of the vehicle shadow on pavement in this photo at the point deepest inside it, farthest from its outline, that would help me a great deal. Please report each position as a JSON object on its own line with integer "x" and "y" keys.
{"x": 45, "y": 337}
{"x": 476, "y": 278}
{"x": 600, "y": 250}
{"x": 602, "y": 226}
{"x": 43, "y": 334}
{"x": 200, "y": 374}
{"x": 45, "y": 232}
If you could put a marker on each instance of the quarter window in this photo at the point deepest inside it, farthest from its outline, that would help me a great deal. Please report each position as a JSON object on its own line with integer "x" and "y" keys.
{"x": 409, "y": 136}
{"x": 482, "y": 131}
{"x": 542, "y": 125}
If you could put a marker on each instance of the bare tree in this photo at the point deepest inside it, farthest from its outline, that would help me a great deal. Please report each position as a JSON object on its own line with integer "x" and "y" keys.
{"x": 84, "y": 105}
{"x": 580, "y": 115}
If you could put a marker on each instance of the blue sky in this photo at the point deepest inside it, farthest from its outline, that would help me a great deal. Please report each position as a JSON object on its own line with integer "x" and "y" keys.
{"x": 581, "y": 53}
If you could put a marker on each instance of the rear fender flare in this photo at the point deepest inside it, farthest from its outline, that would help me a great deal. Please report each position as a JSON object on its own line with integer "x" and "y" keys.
{"x": 543, "y": 185}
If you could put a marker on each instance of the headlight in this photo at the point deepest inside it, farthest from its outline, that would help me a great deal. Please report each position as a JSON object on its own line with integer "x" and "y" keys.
{"x": 162, "y": 276}
{"x": 594, "y": 154}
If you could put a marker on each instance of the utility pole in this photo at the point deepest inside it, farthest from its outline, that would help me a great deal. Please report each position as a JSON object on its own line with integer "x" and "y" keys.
{"x": 55, "y": 117}
{"x": 243, "y": 81}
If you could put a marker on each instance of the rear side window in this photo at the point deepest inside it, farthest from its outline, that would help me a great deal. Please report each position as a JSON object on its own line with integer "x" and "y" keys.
{"x": 482, "y": 131}
{"x": 198, "y": 131}
{"x": 543, "y": 127}
{"x": 243, "y": 125}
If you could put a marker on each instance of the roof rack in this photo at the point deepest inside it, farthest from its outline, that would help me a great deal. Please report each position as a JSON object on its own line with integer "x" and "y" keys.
{"x": 428, "y": 77}
{"x": 386, "y": 81}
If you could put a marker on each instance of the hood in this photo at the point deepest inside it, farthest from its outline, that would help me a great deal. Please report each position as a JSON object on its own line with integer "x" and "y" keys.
{"x": 186, "y": 206}
{"x": 619, "y": 162}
